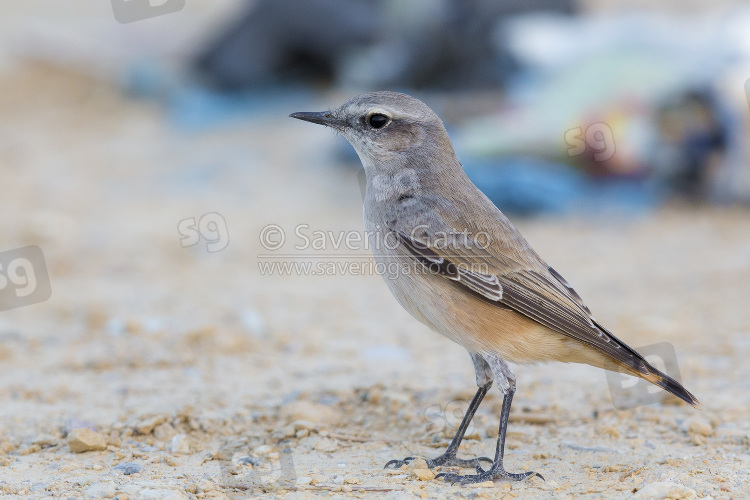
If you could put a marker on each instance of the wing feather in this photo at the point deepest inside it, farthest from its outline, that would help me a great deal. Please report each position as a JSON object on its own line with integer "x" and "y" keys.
{"x": 532, "y": 289}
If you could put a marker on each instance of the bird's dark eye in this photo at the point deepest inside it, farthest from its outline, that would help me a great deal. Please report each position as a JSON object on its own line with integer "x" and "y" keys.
{"x": 378, "y": 121}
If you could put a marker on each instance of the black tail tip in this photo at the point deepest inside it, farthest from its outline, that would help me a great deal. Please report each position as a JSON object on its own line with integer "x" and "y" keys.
{"x": 673, "y": 387}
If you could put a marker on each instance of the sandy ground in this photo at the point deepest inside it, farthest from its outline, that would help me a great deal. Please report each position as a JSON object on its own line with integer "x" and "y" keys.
{"x": 208, "y": 379}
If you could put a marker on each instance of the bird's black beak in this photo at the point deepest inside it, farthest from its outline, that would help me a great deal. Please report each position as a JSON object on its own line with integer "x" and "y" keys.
{"x": 321, "y": 118}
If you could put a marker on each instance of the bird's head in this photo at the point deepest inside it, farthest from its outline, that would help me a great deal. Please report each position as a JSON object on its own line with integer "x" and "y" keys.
{"x": 385, "y": 128}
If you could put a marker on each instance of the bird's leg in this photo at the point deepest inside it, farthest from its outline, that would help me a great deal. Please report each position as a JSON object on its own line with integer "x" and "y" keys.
{"x": 449, "y": 458}
{"x": 507, "y": 383}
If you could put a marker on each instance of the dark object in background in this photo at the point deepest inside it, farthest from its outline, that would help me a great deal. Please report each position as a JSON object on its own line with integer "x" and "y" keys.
{"x": 692, "y": 143}
{"x": 277, "y": 40}
{"x": 449, "y": 44}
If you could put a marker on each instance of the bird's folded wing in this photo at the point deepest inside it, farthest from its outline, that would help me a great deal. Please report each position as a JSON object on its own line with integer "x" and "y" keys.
{"x": 460, "y": 268}
{"x": 534, "y": 290}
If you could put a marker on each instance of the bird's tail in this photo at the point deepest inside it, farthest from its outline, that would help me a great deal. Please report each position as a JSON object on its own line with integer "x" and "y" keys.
{"x": 668, "y": 384}
{"x": 635, "y": 364}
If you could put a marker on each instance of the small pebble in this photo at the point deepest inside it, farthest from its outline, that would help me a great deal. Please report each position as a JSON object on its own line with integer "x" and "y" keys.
{"x": 486, "y": 484}
{"x": 315, "y": 413}
{"x": 424, "y": 474}
{"x": 666, "y": 490}
{"x": 164, "y": 432}
{"x": 609, "y": 430}
{"x": 180, "y": 445}
{"x": 114, "y": 439}
{"x": 327, "y": 445}
{"x": 75, "y": 423}
{"x": 700, "y": 426}
{"x": 146, "y": 426}
{"x": 304, "y": 425}
{"x": 100, "y": 490}
{"x": 45, "y": 440}
{"x": 161, "y": 494}
{"x": 28, "y": 450}
{"x": 84, "y": 439}
{"x": 263, "y": 450}
{"x": 128, "y": 468}
{"x": 419, "y": 463}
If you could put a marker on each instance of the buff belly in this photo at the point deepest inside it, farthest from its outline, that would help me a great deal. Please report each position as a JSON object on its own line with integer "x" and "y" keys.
{"x": 440, "y": 304}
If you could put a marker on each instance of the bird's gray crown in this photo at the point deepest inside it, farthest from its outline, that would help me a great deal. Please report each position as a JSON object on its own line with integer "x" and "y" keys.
{"x": 392, "y": 104}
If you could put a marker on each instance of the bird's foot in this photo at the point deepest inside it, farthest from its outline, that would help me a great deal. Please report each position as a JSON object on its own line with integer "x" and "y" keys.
{"x": 445, "y": 460}
{"x": 495, "y": 473}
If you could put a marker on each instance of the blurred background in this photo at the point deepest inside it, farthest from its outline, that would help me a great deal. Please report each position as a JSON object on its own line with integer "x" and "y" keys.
{"x": 145, "y": 149}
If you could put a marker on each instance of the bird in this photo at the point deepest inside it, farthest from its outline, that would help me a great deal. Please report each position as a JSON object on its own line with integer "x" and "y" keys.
{"x": 465, "y": 271}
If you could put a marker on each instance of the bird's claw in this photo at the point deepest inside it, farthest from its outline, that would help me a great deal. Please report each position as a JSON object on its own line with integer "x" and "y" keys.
{"x": 397, "y": 464}
{"x": 482, "y": 476}
{"x": 443, "y": 460}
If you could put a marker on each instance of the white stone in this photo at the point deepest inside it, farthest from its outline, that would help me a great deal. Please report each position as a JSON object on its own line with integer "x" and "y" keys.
{"x": 161, "y": 494}
{"x": 100, "y": 490}
{"x": 665, "y": 490}
{"x": 180, "y": 445}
